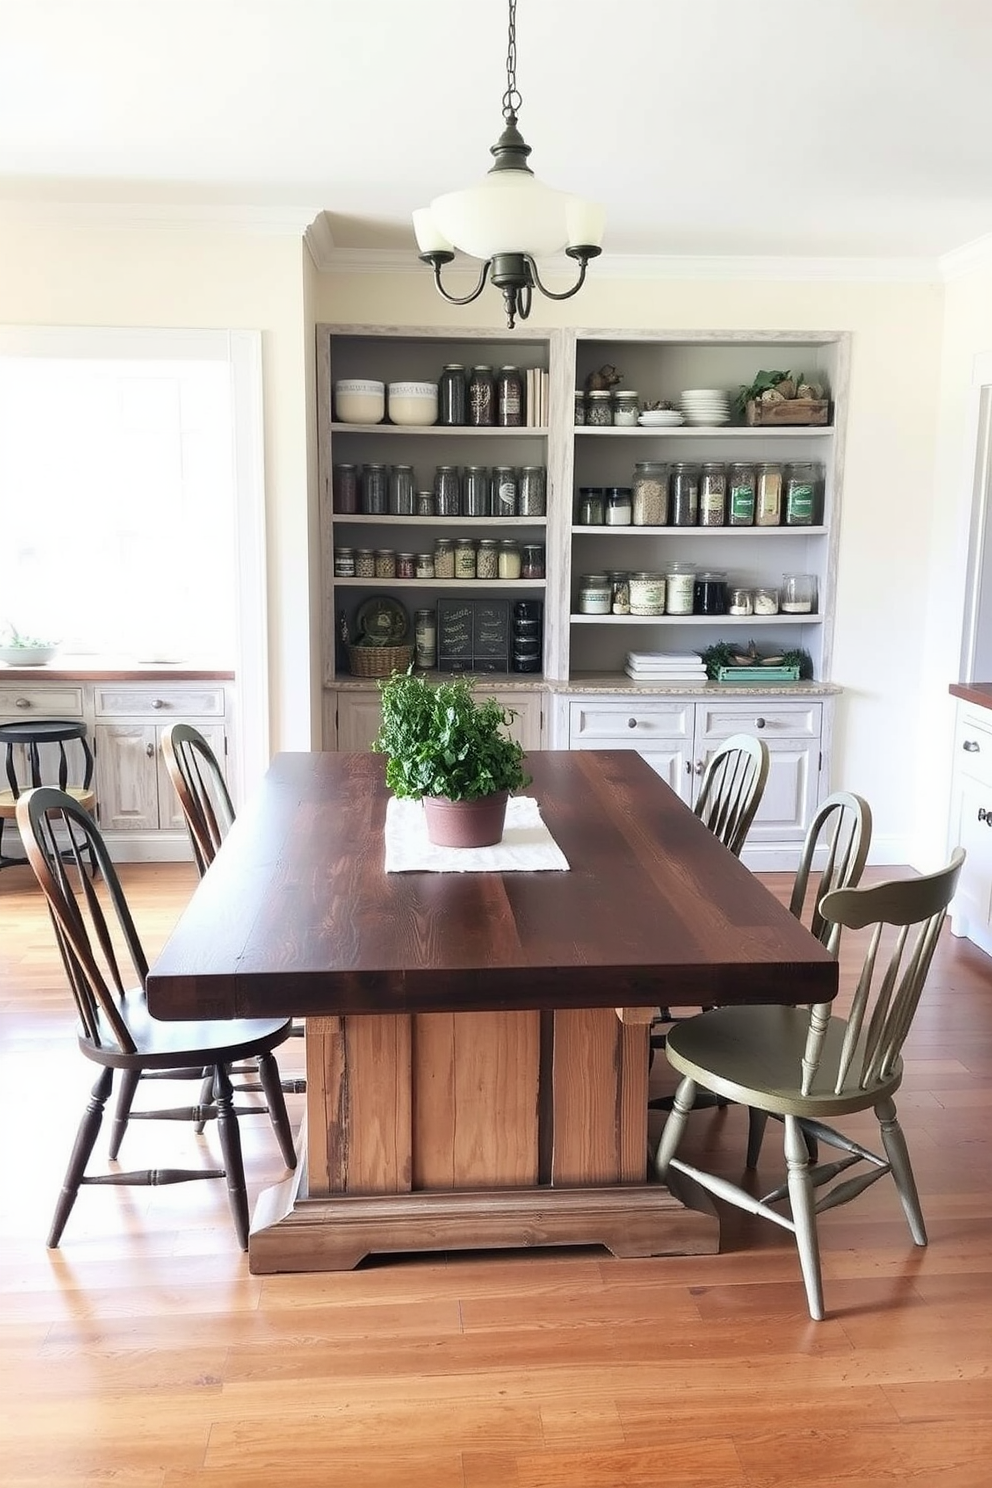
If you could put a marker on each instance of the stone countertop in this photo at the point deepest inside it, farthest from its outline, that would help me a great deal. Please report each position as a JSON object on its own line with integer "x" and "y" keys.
{"x": 614, "y": 683}
{"x": 979, "y": 693}
{"x": 116, "y": 669}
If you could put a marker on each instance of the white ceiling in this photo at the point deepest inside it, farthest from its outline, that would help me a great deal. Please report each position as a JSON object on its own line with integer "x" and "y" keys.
{"x": 775, "y": 127}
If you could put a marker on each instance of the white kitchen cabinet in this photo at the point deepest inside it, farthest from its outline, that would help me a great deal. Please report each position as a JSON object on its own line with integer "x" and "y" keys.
{"x": 357, "y": 714}
{"x": 134, "y": 791}
{"x": 971, "y": 823}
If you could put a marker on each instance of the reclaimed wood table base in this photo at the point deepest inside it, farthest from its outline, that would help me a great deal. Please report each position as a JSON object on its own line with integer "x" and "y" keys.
{"x": 477, "y": 1044}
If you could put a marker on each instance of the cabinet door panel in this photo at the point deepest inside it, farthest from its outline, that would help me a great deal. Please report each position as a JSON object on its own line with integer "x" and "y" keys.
{"x": 127, "y": 776}
{"x": 527, "y": 726}
{"x": 358, "y": 720}
{"x": 973, "y": 831}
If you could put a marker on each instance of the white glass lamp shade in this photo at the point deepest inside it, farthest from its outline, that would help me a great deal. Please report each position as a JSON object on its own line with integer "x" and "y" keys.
{"x": 429, "y": 239}
{"x": 509, "y": 211}
{"x": 586, "y": 221}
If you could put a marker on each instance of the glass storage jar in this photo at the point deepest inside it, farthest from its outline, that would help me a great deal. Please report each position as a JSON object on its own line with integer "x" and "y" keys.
{"x": 477, "y": 491}
{"x": 626, "y": 407}
{"x": 620, "y": 602}
{"x": 444, "y": 558}
{"x": 647, "y": 593}
{"x": 424, "y": 566}
{"x": 487, "y": 559}
{"x": 385, "y": 563}
{"x": 768, "y": 496}
{"x": 684, "y": 488}
{"x": 464, "y": 558}
{"x": 406, "y": 566}
{"x": 712, "y": 494}
{"x": 741, "y": 495}
{"x": 765, "y": 600}
{"x": 740, "y": 601}
{"x": 798, "y": 594}
{"x": 504, "y": 491}
{"x": 375, "y": 490}
{"x": 345, "y": 486}
{"x": 679, "y": 583}
{"x": 425, "y": 503}
{"x": 580, "y": 406}
{"x": 532, "y": 561}
{"x": 510, "y": 560}
{"x": 425, "y": 638}
{"x": 619, "y": 506}
{"x": 448, "y": 491}
{"x": 599, "y": 413}
{"x": 451, "y": 395}
{"x": 649, "y": 503}
{"x": 532, "y": 497}
{"x": 590, "y": 510}
{"x": 595, "y": 594}
{"x": 509, "y": 398}
{"x": 481, "y": 397}
{"x": 344, "y": 563}
{"x": 364, "y": 563}
{"x": 800, "y": 494}
{"x": 709, "y": 593}
{"x": 402, "y": 491}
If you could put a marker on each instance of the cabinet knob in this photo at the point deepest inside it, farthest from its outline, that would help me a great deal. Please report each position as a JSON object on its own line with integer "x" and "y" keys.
{"x": 23, "y": 703}
{"x": 971, "y": 746}
{"x": 157, "y": 703}
{"x": 150, "y": 750}
{"x": 631, "y": 722}
{"x": 699, "y": 767}
{"x": 759, "y": 723}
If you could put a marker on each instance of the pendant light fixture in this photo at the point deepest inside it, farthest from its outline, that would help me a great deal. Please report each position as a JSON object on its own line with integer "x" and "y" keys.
{"x": 510, "y": 219}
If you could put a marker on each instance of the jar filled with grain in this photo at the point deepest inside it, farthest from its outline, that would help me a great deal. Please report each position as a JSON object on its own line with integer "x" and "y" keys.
{"x": 425, "y": 503}
{"x": 444, "y": 558}
{"x": 768, "y": 496}
{"x": 620, "y": 602}
{"x": 464, "y": 558}
{"x": 504, "y": 491}
{"x": 385, "y": 563}
{"x": 712, "y": 494}
{"x": 345, "y": 486}
{"x": 487, "y": 559}
{"x": 684, "y": 495}
{"x": 599, "y": 410}
{"x": 800, "y": 494}
{"x": 402, "y": 491}
{"x": 481, "y": 397}
{"x": 532, "y": 491}
{"x": 649, "y": 502}
{"x": 364, "y": 563}
{"x": 477, "y": 494}
{"x": 375, "y": 490}
{"x": 580, "y": 406}
{"x": 647, "y": 593}
{"x": 447, "y": 491}
{"x": 590, "y": 508}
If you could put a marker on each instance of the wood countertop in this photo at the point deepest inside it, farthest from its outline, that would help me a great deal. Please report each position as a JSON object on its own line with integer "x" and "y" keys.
{"x": 979, "y": 693}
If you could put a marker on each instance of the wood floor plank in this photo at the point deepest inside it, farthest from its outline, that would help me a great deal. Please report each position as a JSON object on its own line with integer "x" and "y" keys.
{"x": 143, "y": 1355}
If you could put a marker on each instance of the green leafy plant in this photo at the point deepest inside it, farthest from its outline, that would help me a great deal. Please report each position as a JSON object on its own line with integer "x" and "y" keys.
{"x": 720, "y": 654}
{"x": 752, "y": 391}
{"x": 441, "y": 741}
{"x": 13, "y": 639}
{"x": 800, "y": 658}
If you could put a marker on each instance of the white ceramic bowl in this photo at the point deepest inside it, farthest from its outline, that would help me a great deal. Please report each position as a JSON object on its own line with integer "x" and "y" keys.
{"x": 413, "y": 403}
{"x": 27, "y": 655}
{"x": 358, "y": 402}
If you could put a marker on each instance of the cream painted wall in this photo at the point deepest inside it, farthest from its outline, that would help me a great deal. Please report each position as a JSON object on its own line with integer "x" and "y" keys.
{"x": 967, "y": 333}
{"x": 186, "y": 277}
{"x": 885, "y": 557}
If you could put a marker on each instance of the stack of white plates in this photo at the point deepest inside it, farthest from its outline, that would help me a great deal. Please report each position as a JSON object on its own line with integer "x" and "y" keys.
{"x": 705, "y": 406}
{"x": 660, "y": 418}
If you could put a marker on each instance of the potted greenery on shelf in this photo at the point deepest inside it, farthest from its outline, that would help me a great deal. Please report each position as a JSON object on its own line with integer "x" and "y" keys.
{"x": 452, "y": 752}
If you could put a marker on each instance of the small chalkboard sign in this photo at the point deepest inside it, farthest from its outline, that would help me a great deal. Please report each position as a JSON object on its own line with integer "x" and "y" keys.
{"x": 492, "y": 635}
{"x": 455, "y": 635}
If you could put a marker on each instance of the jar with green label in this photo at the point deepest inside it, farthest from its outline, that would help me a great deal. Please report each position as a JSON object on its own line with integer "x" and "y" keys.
{"x": 741, "y": 504}
{"x": 800, "y": 494}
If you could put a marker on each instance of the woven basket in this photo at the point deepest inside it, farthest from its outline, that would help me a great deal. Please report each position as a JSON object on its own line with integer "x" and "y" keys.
{"x": 378, "y": 661}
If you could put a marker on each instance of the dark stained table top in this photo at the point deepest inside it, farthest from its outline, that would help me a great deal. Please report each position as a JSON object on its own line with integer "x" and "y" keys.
{"x": 297, "y": 915}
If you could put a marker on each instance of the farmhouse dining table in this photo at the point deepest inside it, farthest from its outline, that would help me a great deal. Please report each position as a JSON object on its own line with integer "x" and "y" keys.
{"x": 477, "y": 1044}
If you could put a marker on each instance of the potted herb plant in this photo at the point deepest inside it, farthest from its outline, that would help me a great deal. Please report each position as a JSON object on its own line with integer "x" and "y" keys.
{"x": 451, "y": 751}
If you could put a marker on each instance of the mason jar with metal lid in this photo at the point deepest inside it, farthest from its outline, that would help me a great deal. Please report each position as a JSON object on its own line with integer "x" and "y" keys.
{"x": 510, "y": 560}
{"x": 487, "y": 559}
{"x": 444, "y": 558}
{"x": 385, "y": 563}
{"x": 647, "y": 593}
{"x": 448, "y": 491}
{"x": 591, "y": 506}
{"x": 402, "y": 491}
{"x": 464, "y": 558}
{"x": 599, "y": 410}
{"x": 477, "y": 493}
{"x": 679, "y": 584}
{"x": 684, "y": 494}
{"x": 405, "y": 566}
{"x": 424, "y": 566}
{"x": 375, "y": 490}
{"x": 626, "y": 407}
{"x": 532, "y": 561}
{"x": 504, "y": 491}
{"x": 344, "y": 563}
{"x": 425, "y": 637}
{"x": 532, "y": 492}
{"x": 712, "y": 494}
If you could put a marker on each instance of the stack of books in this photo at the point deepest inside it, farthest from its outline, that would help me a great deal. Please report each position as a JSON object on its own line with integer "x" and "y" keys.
{"x": 536, "y": 398}
{"x": 665, "y": 666}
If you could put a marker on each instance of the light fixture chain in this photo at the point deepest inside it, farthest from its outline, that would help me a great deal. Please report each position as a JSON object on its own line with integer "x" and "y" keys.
{"x": 511, "y": 98}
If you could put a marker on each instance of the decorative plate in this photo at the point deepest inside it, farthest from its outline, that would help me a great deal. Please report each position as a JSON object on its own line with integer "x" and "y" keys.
{"x": 383, "y": 619}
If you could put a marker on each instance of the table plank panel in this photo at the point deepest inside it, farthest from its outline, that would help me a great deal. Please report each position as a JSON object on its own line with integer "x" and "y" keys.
{"x": 364, "y": 1141}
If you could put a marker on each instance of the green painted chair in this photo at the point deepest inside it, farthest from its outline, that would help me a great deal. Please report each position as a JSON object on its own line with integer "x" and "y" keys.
{"x": 809, "y": 1066}
{"x": 731, "y": 789}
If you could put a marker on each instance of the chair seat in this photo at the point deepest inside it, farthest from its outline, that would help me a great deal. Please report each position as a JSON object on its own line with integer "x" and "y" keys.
{"x": 162, "y": 1045}
{"x": 754, "y": 1055}
{"x": 85, "y": 798}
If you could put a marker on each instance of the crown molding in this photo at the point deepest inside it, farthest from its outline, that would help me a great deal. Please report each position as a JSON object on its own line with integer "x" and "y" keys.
{"x": 330, "y": 259}
{"x": 967, "y": 259}
{"x": 286, "y": 221}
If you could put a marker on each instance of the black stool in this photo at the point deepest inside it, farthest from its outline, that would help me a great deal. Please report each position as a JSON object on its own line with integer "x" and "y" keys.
{"x": 31, "y": 736}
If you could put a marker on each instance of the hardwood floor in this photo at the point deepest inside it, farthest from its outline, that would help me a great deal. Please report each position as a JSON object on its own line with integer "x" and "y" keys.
{"x": 143, "y": 1354}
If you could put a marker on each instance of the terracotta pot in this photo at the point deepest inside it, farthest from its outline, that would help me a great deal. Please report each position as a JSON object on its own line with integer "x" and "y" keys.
{"x": 465, "y": 823}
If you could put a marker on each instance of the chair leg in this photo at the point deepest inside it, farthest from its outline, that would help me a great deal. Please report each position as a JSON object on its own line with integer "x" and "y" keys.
{"x": 803, "y": 1202}
{"x": 268, "y": 1071}
{"x": 230, "y": 1143}
{"x": 671, "y": 1136}
{"x": 86, "y": 1136}
{"x": 125, "y": 1098}
{"x": 756, "y": 1123}
{"x": 898, "y": 1154}
{"x": 206, "y": 1096}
